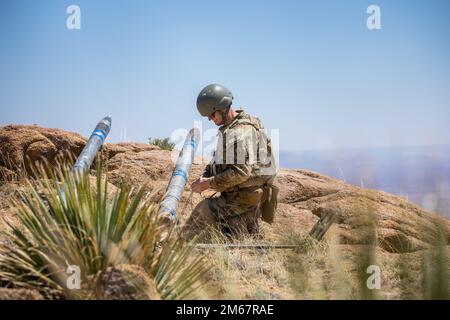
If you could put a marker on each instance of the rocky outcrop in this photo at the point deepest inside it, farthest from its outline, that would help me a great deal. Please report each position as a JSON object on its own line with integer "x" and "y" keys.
{"x": 364, "y": 216}
{"x": 23, "y": 144}
{"x": 125, "y": 282}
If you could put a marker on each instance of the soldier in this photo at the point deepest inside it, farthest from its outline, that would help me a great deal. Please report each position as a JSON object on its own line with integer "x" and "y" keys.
{"x": 242, "y": 170}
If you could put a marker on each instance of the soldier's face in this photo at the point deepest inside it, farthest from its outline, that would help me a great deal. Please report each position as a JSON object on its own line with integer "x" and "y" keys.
{"x": 216, "y": 117}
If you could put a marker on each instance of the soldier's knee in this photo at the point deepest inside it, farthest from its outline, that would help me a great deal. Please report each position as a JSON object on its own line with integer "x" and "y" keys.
{"x": 202, "y": 214}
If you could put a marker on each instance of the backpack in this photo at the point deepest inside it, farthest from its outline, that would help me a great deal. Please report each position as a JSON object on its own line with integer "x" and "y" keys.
{"x": 269, "y": 201}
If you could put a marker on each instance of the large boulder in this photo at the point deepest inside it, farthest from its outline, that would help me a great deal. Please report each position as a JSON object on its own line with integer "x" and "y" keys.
{"x": 21, "y": 144}
{"x": 364, "y": 216}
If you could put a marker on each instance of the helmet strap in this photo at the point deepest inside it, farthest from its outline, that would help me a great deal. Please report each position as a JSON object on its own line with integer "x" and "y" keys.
{"x": 224, "y": 115}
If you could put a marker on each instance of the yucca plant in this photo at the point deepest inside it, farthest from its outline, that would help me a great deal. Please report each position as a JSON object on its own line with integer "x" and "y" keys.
{"x": 67, "y": 219}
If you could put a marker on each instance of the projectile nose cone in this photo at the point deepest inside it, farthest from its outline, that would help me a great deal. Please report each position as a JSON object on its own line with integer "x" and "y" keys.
{"x": 105, "y": 124}
{"x": 107, "y": 120}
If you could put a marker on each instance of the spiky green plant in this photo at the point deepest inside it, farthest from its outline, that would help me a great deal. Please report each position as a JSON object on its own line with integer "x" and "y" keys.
{"x": 66, "y": 219}
{"x": 164, "y": 143}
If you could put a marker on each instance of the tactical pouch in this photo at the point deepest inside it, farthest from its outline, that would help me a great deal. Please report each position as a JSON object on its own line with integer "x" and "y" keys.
{"x": 270, "y": 203}
{"x": 250, "y": 196}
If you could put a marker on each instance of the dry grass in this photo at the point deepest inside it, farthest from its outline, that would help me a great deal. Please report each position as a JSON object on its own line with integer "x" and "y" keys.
{"x": 326, "y": 270}
{"x": 247, "y": 273}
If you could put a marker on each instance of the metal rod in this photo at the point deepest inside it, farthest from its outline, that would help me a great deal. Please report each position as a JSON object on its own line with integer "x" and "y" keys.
{"x": 322, "y": 225}
{"x": 93, "y": 145}
{"x": 180, "y": 175}
{"x": 243, "y": 246}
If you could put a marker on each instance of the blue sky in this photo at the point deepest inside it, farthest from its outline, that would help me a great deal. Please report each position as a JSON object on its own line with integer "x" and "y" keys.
{"x": 311, "y": 69}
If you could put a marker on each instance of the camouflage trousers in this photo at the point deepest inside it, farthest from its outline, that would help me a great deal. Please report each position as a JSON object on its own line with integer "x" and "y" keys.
{"x": 226, "y": 214}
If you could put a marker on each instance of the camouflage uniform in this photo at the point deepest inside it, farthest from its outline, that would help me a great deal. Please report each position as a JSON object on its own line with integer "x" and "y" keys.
{"x": 241, "y": 167}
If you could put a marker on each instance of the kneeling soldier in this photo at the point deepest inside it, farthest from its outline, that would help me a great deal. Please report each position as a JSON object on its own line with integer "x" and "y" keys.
{"x": 242, "y": 170}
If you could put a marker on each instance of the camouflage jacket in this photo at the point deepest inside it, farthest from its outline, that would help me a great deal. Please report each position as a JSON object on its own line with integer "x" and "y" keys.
{"x": 243, "y": 157}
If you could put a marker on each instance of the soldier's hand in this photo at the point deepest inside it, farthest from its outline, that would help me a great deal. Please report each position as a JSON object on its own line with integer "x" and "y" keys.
{"x": 201, "y": 184}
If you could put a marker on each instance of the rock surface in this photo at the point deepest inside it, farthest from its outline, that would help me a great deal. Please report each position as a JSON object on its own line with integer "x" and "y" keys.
{"x": 19, "y": 294}
{"x": 125, "y": 282}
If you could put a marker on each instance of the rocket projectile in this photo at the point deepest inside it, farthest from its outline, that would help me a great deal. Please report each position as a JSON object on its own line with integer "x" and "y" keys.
{"x": 180, "y": 175}
{"x": 93, "y": 145}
